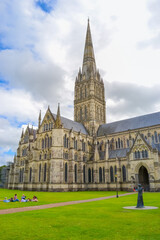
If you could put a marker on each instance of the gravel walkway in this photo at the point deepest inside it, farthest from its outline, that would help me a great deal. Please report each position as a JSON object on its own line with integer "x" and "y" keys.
{"x": 52, "y": 205}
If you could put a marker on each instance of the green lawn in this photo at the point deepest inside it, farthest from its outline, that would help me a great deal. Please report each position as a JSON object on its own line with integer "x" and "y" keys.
{"x": 48, "y": 197}
{"x": 87, "y": 221}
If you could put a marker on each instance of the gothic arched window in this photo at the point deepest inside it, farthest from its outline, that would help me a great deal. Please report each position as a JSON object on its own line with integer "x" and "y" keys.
{"x": 111, "y": 174}
{"x": 42, "y": 143}
{"x": 20, "y": 172}
{"x": 89, "y": 175}
{"x": 146, "y": 153}
{"x": 80, "y": 113}
{"x": 124, "y": 173}
{"x": 103, "y": 174}
{"x": 75, "y": 172}
{"x": 143, "y": 154}
{"x": 127, "y": 143}
{"x": 119, "y": 143}
{"x": 66, "y": 173}
{"x": 81, "y": 95}
{"x": 45, "y": 142}
{"x": 135, "y": 154}
{"x": 45, "y": 171}
{"x": 100, "y": 175}
{"x": 84, "y": 174}
{"x": 138, "y": 154}
{"x": 85, "y": 113}
{"x": 30, "y": 174}
{"x": 85, "y": 91}
{"x": 155, "y": 136}
{"x": 92, "y": 175}
{"x": 50, "y": 141}
{"x": 65, "y": 141}
{"x": 39, "y": 172}
{"x": 115, "y": 172}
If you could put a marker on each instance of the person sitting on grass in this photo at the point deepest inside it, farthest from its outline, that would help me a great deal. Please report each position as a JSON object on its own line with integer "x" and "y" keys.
{"x": 23, "y": 198}
{"x": 15, "y": 198}
{"x": 35, "y": 199}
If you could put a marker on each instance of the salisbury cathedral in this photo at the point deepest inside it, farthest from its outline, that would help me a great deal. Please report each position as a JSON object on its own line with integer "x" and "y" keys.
{"x": 88, "y": 153}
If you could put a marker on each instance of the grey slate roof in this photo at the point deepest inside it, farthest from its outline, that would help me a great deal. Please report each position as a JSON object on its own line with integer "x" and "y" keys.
{"x": 118, "y": 153}
{"x": 69, "y": 124}
{"x": 130, "y": 124}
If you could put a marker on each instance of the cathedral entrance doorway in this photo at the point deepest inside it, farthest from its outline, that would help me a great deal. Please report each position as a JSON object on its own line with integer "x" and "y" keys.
{"x": 143, "y": 178}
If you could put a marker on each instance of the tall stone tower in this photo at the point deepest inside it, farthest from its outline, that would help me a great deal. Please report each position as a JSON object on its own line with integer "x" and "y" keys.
{"x": 89, "y": 99}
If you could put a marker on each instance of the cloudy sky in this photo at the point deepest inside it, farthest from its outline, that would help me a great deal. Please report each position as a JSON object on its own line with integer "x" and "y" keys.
{"x": 41, "y": 50}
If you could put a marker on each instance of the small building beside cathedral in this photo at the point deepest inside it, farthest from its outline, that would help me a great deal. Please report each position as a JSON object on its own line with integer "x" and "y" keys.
{"x": 88, "y": 153}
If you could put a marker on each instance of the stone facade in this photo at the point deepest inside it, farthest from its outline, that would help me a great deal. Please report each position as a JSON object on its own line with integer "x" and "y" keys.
{"x": 87, "y": 153}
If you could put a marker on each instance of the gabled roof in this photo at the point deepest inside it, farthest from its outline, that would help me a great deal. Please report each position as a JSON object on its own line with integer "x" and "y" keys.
{"x": 148, "y": 120}
{"x": 120, "y": 153}
{"x": 69, "y": 124}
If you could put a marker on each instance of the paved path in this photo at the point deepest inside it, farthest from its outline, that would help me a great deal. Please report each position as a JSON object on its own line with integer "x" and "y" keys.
{"x": 52, "y": 205}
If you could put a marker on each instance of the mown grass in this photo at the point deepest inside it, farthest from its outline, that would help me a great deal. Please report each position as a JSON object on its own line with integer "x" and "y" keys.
{"x": 48, "y": 197}
{"x": 95, "y": 220}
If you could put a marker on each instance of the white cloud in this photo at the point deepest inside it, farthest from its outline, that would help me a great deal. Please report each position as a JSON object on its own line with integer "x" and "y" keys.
{"x": 19, "y": 105}
{"x": 45, "y": 51}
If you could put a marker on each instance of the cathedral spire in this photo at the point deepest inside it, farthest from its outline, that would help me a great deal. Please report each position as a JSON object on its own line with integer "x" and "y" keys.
{"x": 58, "y": 123}
{"x": 39, "y": 119}
{"x": 22, "y": 133}
{"x": 89, "y": 64}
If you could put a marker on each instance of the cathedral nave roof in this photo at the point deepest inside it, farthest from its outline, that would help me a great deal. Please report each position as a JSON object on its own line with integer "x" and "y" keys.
{"x": 148, "y": 120}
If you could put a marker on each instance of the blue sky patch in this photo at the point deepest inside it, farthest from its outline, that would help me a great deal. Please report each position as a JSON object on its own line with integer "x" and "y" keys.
{"x": 46, "y": 5}
{"x": 70, "y": 106}
{"x": 9, "y": 152}
{"x": 3, "y": 82}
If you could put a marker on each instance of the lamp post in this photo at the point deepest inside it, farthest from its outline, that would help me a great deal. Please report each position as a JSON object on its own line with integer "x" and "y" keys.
{"x": 116, "y": 186}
